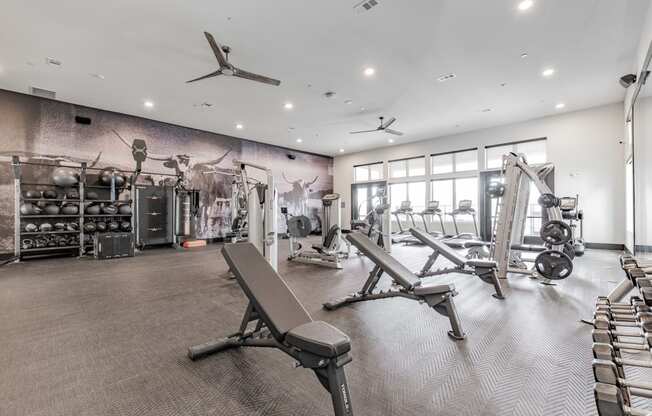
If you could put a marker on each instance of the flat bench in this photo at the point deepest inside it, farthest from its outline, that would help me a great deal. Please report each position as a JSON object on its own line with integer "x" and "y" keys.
{"x": 438, "y": 297}
{"x": 282, "y": 322}
{"x": 484, "y": 269}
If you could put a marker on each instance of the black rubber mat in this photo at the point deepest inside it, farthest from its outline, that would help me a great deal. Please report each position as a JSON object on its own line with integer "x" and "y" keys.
{"x": 84, "y": 337}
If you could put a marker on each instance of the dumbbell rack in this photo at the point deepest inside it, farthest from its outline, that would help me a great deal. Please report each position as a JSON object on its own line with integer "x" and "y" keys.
{"x": 81, "y": 248}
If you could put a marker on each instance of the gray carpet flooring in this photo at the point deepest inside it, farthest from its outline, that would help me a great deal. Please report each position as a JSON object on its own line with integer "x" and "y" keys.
{"x": 86, "y": 337}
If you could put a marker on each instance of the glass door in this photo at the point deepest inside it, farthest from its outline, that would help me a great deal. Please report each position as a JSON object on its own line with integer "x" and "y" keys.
{"x": 363, "y": 198}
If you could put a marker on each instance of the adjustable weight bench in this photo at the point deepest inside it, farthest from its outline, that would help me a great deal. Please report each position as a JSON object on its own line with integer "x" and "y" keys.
{"x": 438, "y": 297}
{"x": 484, "y": 269}
{"x": 282, "y": 322}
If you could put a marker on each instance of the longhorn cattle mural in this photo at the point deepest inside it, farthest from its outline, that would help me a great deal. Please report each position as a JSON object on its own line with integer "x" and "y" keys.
{"x": 43, "y": 130}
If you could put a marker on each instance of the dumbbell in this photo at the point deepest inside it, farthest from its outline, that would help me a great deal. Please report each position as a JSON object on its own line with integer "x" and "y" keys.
{"x": 634, "y": 303}
{"x": 611, "y": 401}
{"x": 607, "y": 352}
{"x": 606, "y": 372}
{"x": 606, "y": 337}
{"x": 625, "y": 319}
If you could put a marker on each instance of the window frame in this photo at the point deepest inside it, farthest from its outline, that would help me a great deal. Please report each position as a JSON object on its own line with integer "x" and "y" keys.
{"x": 407, "y": 177}
{"x": 368, "y": 166}
{"x": 514, "y": 149}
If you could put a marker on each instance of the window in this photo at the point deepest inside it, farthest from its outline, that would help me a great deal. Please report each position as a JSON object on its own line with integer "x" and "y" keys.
{"x": 462, "y": 161}
{"x": 407, "y": 167}
{"x": 442, "y": 191}
{"x": 371, "y": 172}
{"x": 415, "y": 192}
{"x": 449, "y": 192}
{"x": 534, "y": 150}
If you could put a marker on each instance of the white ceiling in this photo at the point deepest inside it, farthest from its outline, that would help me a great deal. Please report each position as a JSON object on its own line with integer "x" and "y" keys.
{"x": 147, "y": 49}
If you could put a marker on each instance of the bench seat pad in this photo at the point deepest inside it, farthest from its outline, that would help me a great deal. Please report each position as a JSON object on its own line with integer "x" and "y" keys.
{"x": 433, "y": 289}
{"x": 488, "y": 264}
{"x": 319, "y": 338}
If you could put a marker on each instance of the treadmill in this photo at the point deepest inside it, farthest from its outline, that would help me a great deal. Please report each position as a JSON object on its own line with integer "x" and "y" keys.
{"x": 403, "y": 235}
{"x": 432, "y": 210}
{"x": 460, "y": 240}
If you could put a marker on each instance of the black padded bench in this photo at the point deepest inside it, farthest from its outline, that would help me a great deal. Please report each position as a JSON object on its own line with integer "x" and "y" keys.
{"x": 438, "y": 297}
{"x": 484, "y": 269}
{"x": 282, "y": 322}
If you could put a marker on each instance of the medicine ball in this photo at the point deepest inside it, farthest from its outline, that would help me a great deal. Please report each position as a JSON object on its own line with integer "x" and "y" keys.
{"x": 27, "y": 208}
{"x": 52, "y": 209}
{"x": 113, "y": 226}
{"x": 72, "y": 194}
{"x": 72, "y": 226}
{"x": 65, "y": 176}
{"x": 60, "y": 226}
{"x": 70, "y": 209}
{"x": 28, "y": 243}
{"x": 45, "y": 227}
{"x": 109, "y": 209}
{"x": 100, "y": 226}
{"x": 124, "y": 209}
{"x": 125, "y": 226}
{"x": 31, "y": 228}
{"x": 93, "y": 210}
{"x": 50, "y": 194}
{"x": 32, "y": 195}
{"x": 89, "y": 227}
{"x": 92, "y": 195}
{"x": 106, "y": 174}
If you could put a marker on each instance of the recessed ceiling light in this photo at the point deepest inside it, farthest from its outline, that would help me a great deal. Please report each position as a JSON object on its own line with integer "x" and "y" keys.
{"x": 369, "y": 71}
{"x": 524, "y": 55}
{"x": 548, "y": 72}
{"x": 148, "y": 104}
{"x": 341, "y": 150}
{"x": 559, "y": 106}
{"x": 390, "y": 140}
{"x": 348, "y": 101}
{"x": 299, "y": 140}
{"x": 288, "y": 106}
{"x": 239, "y": 126}
{"x": 525, "y": 4}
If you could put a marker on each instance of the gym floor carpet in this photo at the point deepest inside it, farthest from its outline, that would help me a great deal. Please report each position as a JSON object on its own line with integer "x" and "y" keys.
{"x": 84, "y": 337}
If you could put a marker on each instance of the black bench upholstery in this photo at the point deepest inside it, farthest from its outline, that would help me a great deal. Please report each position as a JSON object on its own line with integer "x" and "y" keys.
{"x": 272, "y": 298}
{"x": 320, "y": 339}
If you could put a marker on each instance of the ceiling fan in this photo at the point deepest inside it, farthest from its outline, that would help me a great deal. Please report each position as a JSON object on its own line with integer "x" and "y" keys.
{"x": 227, "y": 69}
{"x": 384, "y": 126}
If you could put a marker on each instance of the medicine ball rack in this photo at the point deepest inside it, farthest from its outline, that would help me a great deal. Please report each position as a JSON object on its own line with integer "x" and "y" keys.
{"x": 83, "y": 249}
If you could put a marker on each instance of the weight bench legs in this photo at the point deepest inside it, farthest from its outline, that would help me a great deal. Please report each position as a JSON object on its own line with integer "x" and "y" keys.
{"x": 491, "y": 276}
{"x": 333, "y": 379}
{"x": 445, "y": 306}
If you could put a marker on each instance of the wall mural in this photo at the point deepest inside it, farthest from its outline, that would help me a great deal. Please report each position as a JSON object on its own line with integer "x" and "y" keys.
{"x": 45, "y": 131}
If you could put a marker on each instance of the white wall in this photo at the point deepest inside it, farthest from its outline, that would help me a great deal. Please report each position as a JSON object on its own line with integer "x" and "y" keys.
{"x": 643, "y": 167}
{"x": 583, "y": 145}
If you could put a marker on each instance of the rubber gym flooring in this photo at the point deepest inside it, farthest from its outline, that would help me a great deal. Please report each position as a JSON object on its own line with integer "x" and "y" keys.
{"x": 85, "y": 337}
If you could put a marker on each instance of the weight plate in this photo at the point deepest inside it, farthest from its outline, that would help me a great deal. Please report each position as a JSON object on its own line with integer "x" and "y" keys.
{"x": 553, "y": 265}
{"x": 556, "y": 232}
{"x": 548, "y": 200}
{"x": 569, "y": 250}
{"x": 299, "y": 226}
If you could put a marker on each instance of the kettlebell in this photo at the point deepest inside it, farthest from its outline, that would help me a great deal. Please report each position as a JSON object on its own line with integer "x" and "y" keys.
{"x": 46, "y": 227}
{"x": 52, "y": 209}
{"x": 93, "y": 210}
{"x": 70, "y": 209}
{"x": 31, "y": 228}
{"x": 109, "y": 209}
{"x": 89, "y": 227}
{"x": 49, "y": 194}
{"x": 125, "y": 226}
{"x": 100, "y": 226}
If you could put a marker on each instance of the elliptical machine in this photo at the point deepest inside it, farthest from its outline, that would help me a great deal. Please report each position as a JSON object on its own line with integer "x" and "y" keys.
{"x": 570, "y": 212}
{"x": 333, "y": 248}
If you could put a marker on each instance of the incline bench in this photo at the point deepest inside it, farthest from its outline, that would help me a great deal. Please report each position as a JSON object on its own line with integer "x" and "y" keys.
{"x": 283, "y": 323}
{"x": 438, "y": 297}
{"x": 484, "y": 269}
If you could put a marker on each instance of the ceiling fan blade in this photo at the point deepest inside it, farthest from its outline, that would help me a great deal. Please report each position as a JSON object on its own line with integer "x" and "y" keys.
{"x": 363, "y": 131}
{"x": 390, "y": 131}
{"x": 216, "y": 50}
{"x": 255, "y": 77}
{"x": 211, "y": 75}
{"x": 388, "y": 123}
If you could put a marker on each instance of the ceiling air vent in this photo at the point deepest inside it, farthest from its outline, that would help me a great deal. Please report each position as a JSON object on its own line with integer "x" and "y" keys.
{"x": 40, "y": 92}
{"x": 365, "y": 6}
{"x": 446, "y": 77}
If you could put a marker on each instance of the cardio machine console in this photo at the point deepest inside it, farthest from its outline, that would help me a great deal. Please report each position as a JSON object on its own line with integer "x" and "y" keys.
{"x": 567, "y": 203}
